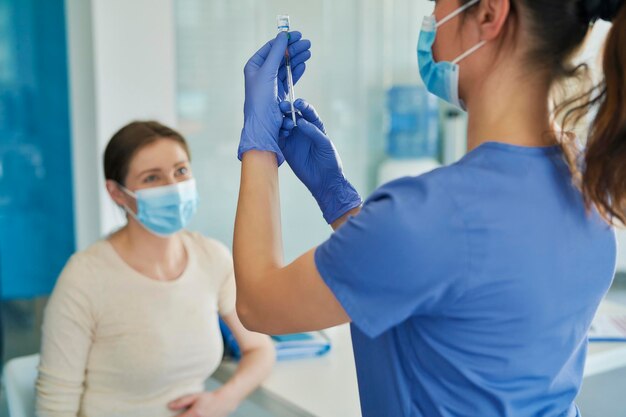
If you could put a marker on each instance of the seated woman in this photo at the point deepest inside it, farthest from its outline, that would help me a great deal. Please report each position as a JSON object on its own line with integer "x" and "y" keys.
{"x": 131, "y": 328}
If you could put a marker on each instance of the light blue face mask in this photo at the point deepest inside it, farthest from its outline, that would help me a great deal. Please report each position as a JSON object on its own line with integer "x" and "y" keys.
{"x": 441, "y": 78}
{"x": 165, "y": 210}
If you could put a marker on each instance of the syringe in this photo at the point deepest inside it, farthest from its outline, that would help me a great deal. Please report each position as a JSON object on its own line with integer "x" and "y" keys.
{"x": 283, "y": 26}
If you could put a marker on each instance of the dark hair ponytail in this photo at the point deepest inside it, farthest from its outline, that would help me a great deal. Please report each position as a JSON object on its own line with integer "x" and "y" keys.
{"x": 604, "y": 174}
{"x": 557, "y": 30}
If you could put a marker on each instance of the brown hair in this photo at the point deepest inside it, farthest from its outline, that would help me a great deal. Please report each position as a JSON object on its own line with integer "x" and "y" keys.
{"x": 558, "y": 29}
{"x": 129, "y": 140}
{"x": 604, "y": 175}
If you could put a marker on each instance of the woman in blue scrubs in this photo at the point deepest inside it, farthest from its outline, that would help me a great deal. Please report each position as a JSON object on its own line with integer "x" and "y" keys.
{"x": 470, "y": 289}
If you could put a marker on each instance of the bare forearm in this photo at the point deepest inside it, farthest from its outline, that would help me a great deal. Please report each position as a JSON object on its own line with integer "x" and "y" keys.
{"x": 273, "y": 298}
{"x": 257, "y": 246}
{"x": 255, "y": 366}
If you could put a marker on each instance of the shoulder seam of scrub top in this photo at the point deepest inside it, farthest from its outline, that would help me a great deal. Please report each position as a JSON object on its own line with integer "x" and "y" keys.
{"x": 474, "y": 269}
{"x": 343, "y": 299}
{"x": 463, "y": 276}
{"x": 459, "y": 280}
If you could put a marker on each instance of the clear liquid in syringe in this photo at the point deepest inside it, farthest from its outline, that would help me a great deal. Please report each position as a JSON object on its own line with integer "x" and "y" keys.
{"x": 283, "y": 26}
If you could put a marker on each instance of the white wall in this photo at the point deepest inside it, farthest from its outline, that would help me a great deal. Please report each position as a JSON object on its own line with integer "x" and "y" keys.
{"x": 122, "y": 68}
{"x": 123, "y": 59}
{"x": 360, "y": 49}
{"x": 82, "y": 102}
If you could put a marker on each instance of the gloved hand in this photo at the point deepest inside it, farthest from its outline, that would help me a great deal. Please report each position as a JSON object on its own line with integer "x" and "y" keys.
{"x": 266, "y": 85}
{"x": 315, "y": 161}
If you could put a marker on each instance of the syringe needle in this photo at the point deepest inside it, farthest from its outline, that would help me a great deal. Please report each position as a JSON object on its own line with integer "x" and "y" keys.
{"x": 292, "y": 95}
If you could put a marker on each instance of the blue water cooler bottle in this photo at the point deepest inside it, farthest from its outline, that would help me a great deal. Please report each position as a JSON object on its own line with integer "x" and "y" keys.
{"x": 413, "y": 143}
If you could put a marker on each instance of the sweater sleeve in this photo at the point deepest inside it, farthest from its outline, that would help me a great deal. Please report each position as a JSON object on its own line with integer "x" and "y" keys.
{"x": 227, "y": 292}
{"x": 67, "y": 335}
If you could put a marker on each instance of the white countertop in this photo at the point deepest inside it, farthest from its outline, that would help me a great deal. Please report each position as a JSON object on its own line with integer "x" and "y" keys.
{"x": 322, "y": 387}
{"x": 604, "y": 357}
{"x": 327, "y": 386}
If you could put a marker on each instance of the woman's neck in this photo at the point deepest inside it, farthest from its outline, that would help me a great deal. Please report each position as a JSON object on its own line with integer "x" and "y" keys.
{"x": 510, "y": 108}
{"x": 161, "y": 258}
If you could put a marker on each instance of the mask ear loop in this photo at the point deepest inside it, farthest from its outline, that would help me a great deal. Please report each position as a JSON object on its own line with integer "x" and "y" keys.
{"x": 127, "y": 191}
{"x": 469, "y": 52}
{"x": 457, "y": 12}
{"x": 130, "y": 194}
{"x": 452, "y": 16}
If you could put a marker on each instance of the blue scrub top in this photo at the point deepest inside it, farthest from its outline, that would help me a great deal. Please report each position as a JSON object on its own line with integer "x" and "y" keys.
{"x": 471, "y": 288}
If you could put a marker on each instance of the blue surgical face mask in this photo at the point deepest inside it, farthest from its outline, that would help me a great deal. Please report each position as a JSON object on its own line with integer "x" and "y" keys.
{"x": 441, "y": 78}
{"x": 165, "y": 210}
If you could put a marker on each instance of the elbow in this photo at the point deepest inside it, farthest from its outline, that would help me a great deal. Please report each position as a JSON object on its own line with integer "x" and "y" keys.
{"x": 247, "y": 315}
{"x": 254, "y": 308}
{"x": 254, "y": 318}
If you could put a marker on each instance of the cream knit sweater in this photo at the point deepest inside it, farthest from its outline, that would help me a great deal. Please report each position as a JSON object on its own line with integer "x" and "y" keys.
{"x": 117, "y": 343}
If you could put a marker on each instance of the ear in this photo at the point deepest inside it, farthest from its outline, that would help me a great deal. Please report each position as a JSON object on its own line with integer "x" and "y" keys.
{"x": 117, "y": 195}
{"x": 492, "y": 16}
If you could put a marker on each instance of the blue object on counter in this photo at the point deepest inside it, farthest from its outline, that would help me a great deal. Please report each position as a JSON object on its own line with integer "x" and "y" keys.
{"x": 413, "y": 123}
{"x": 290, "y": 346}
{"x": 301, "y": 345}
{"x": 231, "y": 347}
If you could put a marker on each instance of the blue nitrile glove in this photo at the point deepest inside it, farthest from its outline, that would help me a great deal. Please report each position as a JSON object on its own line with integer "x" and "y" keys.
{"x": 266, "y": 85}
{"x": 315, "y": 161}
